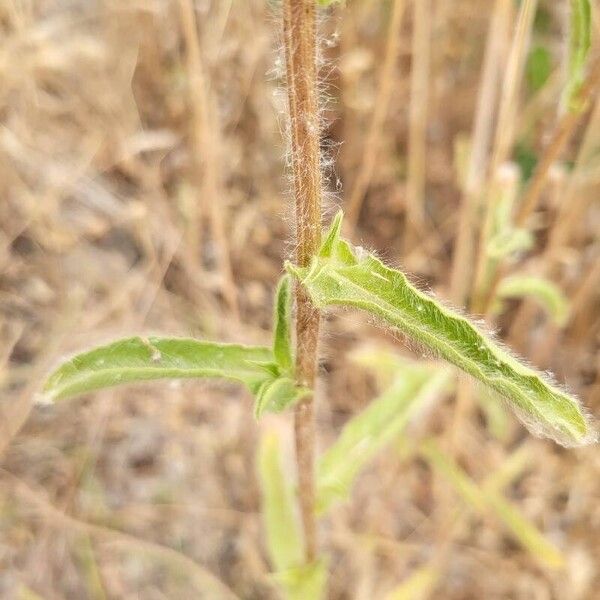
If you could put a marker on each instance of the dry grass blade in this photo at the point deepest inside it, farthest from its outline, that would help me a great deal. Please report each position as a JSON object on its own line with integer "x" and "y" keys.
{"x": 204, "y": 580}
{"x": 418, "y": 121}
{"x": 382, "y": 102}
{"x": 208, "y": 157}
{"x": 482, "y": 133}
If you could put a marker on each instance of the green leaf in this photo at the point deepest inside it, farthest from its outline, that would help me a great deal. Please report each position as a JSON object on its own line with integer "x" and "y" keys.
{"x": 285, "y": 544}
{"x": 376, "y": 426}
{"x": 329, "y": 2}
{"x": 282, "y": 338}
{"x": 360, "y": 280}
{"x": 141, "y": 359}
{"x": 527, "y": 160}
{"x": 580, "y": 39}
{"x": 305, "y": 582}
{"x": 277, "y": 395}
{"x": 549, "y": 295}
{"x": 539, "y": 67}
{"x": 487, "y": 499}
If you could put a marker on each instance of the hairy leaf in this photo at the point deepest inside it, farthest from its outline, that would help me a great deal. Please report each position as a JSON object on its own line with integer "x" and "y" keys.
{"x": 579, "y": 46}
{"x": 284, "y": 537}
{"x": 282, "y": 339}
{"x": 139, "y": 359}
{"x": 343, "y": 276}
{"x": 488, "y": 499}
{"x": 276, "y": 395}
{"x": 377, "y": 425}
{"x": 549, "y": 295}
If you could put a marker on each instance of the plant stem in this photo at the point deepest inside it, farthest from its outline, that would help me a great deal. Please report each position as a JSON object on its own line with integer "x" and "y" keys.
{"x": 299, "y": 31}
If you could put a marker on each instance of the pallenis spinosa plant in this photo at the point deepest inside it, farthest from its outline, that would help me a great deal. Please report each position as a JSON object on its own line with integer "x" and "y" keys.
{"x": 326, "y": 271}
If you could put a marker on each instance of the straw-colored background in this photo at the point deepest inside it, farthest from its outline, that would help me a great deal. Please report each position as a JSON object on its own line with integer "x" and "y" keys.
{"x": 142, "y": 189}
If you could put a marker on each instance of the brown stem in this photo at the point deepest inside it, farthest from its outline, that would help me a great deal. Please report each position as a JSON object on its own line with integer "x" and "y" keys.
{"x": 299, "y": 31}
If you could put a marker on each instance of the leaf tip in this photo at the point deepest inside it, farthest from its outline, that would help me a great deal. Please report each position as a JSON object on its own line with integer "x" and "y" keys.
{"x": 333, "y": 235}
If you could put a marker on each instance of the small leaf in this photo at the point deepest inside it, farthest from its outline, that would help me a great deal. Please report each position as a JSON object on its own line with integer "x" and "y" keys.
{"x": 367, "y": 284}
{"x": 487, "y": 499}
{"x": 376, "y": 426}
{"x": 539, "y": 67}
{"x": 306, "y": 582}
{"x": 330, "y": 242}
{"x": 549, "y": 295}
{"x": 579, "y": 45}
{"x": 282, "y": 339}
{"x": 284, "y": 538}
{"x": 527, "y": 160}
{"x": 142, "y": 359}
{"x": 277, "y": 395}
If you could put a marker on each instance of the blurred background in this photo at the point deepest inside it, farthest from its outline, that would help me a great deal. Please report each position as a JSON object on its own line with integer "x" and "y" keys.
{"x": 143, "y": 189}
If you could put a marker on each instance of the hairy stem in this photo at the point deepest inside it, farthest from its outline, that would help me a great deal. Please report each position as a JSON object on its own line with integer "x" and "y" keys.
{"x": 299, "y": 30}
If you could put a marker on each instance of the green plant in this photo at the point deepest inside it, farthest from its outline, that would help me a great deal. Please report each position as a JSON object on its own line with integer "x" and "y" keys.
{"x": 332, "y": 272}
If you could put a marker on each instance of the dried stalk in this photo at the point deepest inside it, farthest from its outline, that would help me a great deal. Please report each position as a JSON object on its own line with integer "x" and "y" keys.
{"x": 511, "y": 84}
{"x": 482, "y": 133}
{"x": 417, "y": 134}
{"x": 505, "y": 128}
{"x": 206, "y": 143}
{"x": 560, "y": 137}
{"x": 299, "y": 30}
{"x": 382, "y": 103}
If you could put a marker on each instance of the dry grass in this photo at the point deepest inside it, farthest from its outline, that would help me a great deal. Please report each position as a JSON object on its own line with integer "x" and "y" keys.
{"x": 110, "y": 225}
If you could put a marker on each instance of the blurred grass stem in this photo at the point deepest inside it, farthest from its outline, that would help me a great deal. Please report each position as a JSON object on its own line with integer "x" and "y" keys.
{"x": 206, "y": 159}
{"x": 417, "y": 134}
{"x": 482, "y": 134}
{"x": 505, "y": 132}
{"x": 382, "y": 103}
